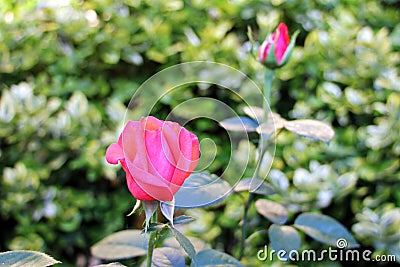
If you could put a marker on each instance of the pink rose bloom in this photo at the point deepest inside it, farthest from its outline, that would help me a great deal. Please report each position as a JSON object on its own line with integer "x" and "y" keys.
{"x": 157, "y": 156}
{"x": 280, "y": 40}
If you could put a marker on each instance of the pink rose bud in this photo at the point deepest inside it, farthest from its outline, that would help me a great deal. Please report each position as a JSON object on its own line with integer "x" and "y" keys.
{"x": 157, "y": 156}
{"x": 275, "y": 51}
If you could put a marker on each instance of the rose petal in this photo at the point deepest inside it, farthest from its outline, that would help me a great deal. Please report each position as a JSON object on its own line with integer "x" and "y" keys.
{"x": 189, "y": 145}
{"x": 114, "y": 153}
{"x": 157, "y": 157}
{"x": 159, "y": 154}
{"x": 170, "y": 142}
{"x": 155, "y": 186}
{"x": 134, "y": 188}
{"x": 190, "y": 148}
{"x": 133, "y": 144}
{"x": 195, "y": 152}
{"x": 263, "y": 49}
{"x": 281, "y": 39}
{"x": 151, "y": 123}
{"x": 182, "y": 149}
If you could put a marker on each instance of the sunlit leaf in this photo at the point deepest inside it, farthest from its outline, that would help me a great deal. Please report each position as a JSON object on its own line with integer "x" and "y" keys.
{"x": 183, "y": 219}
{"x": 255, "y": 113}
{"x": 201, "y": 190}
{"x": 255, "y": 186}
{"x": 273, "y": 124}
{"x": 25, "y": 258}
{"x": 197, "y": 243}
{"x": 312, "y": 129}
{"x": 121, "y": 245}
{"x": 167, "y": 257}
{"x": 325, "y": 229}
{"x": 241, "y": 124}
{"x": 308, "y": 128}
{"x": 273, "y": 211}
{"x": 211, "y": 257}
{"x": 185, "y": 243}
{"x": 283, "y": 237}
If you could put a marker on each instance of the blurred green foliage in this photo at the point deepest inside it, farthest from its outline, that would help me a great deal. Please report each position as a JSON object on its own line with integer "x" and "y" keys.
{"x": 69, "y": 68}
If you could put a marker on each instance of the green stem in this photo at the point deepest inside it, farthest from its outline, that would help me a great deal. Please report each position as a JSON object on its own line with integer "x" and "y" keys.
{"x": 269, "y": 75}
{"x": 245, "y": 223}
{"x": 261, "y": 150}
{"x": 152, "y": 242}
{"x": 150, "y": 248}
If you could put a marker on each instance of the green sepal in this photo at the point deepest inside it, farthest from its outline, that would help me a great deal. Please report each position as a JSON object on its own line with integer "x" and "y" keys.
{"x": 289, "y": 49}
{"x": 252, "y": 42}
{"x": 149, "y": 208}
{"x": 167, "y": 209}
{"x": 271, "y": 62}
{"x": 135, "y": 208}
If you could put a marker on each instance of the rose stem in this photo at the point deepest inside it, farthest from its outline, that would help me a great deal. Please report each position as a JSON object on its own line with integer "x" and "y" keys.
{"x": 269, "y": 74}
{"x": 152, "y": 241}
